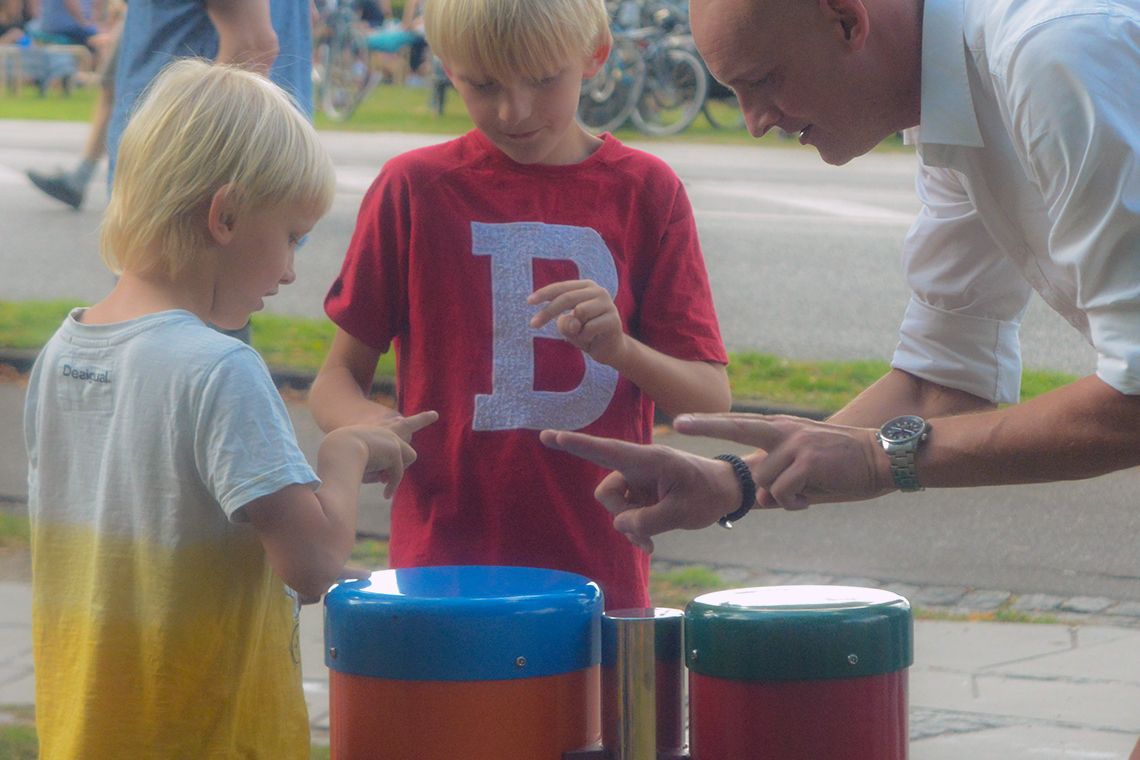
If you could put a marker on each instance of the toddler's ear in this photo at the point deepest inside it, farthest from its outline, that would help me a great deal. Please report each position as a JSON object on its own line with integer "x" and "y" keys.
{"x": 596, "y": 60}
{"x": 220, "y": 219}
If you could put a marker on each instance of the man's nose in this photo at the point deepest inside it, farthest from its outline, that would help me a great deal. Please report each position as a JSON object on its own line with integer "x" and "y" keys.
{"x": 759, "y": 115}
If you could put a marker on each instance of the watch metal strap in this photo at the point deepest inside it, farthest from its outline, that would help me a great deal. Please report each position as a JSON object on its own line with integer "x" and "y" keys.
{"x": 903, "y": 469}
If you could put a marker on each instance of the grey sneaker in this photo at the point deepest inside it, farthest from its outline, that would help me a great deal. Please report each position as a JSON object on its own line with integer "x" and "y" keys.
{"x": 58, "y": 186}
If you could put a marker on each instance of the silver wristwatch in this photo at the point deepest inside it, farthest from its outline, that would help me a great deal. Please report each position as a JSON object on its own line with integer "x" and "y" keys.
{"x": 901, "y": 438}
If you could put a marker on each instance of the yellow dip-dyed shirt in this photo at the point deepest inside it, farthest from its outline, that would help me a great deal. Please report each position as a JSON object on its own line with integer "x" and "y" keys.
{"x": 159, "y": 630}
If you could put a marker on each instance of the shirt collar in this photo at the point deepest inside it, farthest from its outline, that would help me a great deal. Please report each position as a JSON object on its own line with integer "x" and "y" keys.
{"x": 948, "y": 116}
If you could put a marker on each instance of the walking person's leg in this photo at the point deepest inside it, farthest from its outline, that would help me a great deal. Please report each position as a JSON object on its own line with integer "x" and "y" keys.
{"x": 70, "y": 186}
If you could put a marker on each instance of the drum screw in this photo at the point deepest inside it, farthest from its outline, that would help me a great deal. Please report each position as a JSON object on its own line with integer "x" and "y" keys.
{"x": 853, "y": 659}
{"x": 332, "y": 652}
{"x": 694, "y": 655}
{"x": 520, "y": 662}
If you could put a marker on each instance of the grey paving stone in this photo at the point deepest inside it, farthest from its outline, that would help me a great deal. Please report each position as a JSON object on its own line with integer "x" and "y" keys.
{"x": 762, "y": 578}
{"x": 858, "y": 582}
{"x": 925, "y": 722}
{"x": 1089, "y": 605}
{"x": 905, "y": 590}
{"x": 735, "y": 576}
{"x": 811, "y": 579}
{"x": 1025, "y": 742}
{"x": 777, "y": 578}
{"x": 942, "y": 596}
{"x": 983, "y": 600}
{"x": 1125, "y": 609}
{"x": 663, "y": 565}
{"x": 1037, "y": 603}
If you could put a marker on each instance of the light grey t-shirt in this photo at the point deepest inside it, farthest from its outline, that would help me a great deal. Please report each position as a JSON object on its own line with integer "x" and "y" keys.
{"x": 158, "y": 424}
{"x": 159, "y": 627}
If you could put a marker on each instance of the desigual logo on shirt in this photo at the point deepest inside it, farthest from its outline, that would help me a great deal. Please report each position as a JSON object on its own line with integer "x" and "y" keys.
{"x": 87, "y": 374}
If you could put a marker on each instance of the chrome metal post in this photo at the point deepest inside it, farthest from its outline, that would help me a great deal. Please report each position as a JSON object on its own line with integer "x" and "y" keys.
{"x": 637, "y": 713}
{"x": 629, "y": 706}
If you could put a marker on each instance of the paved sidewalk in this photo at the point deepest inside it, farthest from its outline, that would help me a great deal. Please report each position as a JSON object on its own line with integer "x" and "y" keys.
{"x": 978, "y": 690}
{"x": 984, "y": 691}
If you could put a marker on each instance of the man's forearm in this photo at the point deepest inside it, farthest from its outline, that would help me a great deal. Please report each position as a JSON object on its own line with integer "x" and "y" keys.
{"x": 1080, "y": 431}
{"x": 899, "y": 392}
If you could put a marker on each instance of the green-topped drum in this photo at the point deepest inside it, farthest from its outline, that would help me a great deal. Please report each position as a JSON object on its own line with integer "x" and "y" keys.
{"x": 799, "y": 673}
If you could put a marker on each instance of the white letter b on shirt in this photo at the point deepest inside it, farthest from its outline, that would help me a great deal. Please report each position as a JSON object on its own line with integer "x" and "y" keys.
{"x": 513, "y": 401}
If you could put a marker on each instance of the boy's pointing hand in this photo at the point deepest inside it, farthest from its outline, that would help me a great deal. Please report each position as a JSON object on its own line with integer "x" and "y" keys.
{"x": 390, "y": 449}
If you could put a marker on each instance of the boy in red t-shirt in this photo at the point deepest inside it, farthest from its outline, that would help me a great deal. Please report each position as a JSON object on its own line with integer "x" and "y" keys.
{"x": 531, "y": 276}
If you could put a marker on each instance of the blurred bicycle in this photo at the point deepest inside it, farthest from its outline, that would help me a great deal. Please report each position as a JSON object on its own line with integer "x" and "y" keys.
{"x": 653, "y": 76}
{"x": 676, "y": 80}
{"x": 610, "y": 96}
{"x": 342, "y": 63}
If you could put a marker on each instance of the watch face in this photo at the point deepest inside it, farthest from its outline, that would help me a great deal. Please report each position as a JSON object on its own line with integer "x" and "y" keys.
{"x": 903, "y": 428}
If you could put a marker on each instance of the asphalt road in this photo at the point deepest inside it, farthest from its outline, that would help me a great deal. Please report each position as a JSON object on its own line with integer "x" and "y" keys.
{"x": 803, "y": 257}
{"x": 803, "y": 260}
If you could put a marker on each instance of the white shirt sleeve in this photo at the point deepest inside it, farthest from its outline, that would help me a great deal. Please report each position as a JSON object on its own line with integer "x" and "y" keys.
{"x": 1074, "y": 103}
{"x": 967, "y": 299}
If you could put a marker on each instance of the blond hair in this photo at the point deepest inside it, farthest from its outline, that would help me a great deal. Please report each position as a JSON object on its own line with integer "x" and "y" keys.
{"x": 200, "y": 127}
{"x": 507, "y": 38}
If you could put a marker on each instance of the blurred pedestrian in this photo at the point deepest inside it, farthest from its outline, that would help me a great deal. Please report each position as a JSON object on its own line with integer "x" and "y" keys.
{"x": 14, "y": 17}
{"x": 268, "y": 36}
{"x": 70, "y": 186}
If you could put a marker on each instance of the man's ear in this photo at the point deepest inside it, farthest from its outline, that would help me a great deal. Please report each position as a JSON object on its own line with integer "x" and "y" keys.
{"x": 851, "y": 21}
{"x": 601, "y": 53}
{"x": 221, "y": 217}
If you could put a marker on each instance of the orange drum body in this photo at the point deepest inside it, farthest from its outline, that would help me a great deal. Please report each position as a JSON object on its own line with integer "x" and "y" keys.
{"x": 463, "y": 663}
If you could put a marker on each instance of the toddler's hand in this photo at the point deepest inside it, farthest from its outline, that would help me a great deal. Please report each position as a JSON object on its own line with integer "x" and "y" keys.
{"x": 389, "y": 448}
{"x": 348, "y": 573}
{"x": 586, "y": 316}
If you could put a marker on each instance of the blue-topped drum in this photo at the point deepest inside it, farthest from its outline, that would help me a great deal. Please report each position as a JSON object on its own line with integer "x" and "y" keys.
{"x": 479, "y": 663}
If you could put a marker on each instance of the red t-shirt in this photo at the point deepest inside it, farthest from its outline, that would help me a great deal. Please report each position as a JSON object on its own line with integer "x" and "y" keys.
{"x": 450, "y": 241}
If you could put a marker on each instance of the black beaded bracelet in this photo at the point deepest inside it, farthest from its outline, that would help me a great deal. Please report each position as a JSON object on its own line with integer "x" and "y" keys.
{"x": 747, "y": 487}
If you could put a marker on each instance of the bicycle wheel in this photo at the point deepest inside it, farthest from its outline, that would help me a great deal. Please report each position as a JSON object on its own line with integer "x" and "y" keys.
{"x": 346, "y": 73}
{"x": 674, "y": 92}
{"x": 609, "y": 97}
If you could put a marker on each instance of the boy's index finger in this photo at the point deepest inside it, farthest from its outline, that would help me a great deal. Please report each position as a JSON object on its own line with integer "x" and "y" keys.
{"x": 406, "y": 426}
{"x": 555, "y": 289}
{"x": 558, "y": 298}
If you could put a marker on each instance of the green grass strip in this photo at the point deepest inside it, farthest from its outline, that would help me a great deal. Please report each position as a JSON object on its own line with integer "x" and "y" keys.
{"x": 300, "y": 344}
{"x": 402, "y": 109}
